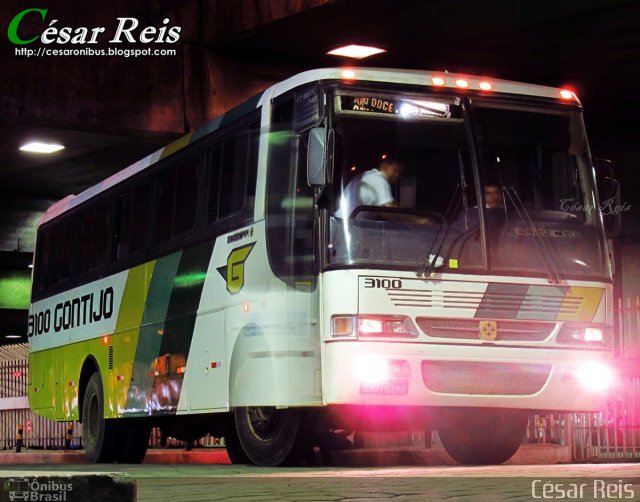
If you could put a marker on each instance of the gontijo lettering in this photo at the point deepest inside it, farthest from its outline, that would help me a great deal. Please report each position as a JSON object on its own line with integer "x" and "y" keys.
{"x": 76, "y": 312}
{"x": 126, "y": 31}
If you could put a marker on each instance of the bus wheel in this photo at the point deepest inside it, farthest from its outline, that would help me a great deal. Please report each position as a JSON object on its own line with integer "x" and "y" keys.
{"x": 234, "y": 448}
{"x": 133, "y": 441}
{"x": 481, "y": 437}
{"x": 99, "y": 436}
{"x": 272, "y": 437}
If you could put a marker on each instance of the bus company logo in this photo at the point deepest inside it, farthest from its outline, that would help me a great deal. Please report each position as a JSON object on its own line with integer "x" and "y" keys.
{"x": 74, "y": 313}
{"x": 233, "y": 272}
{"x": 488, "y": 330}
{"x": 128, "y": 30}
{"x": 37, "y": 490}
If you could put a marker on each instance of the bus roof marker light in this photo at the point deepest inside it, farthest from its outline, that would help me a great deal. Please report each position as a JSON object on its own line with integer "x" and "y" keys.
{"x": 439, "y": 81}
{"x": 485, "y": 86}
{"x": 348, "y": 74}
{"x": 462, "y": 83}
{"x": 356, "y": 51}
{"x": 567, "y": 94}
{"x": 40, "y": 147}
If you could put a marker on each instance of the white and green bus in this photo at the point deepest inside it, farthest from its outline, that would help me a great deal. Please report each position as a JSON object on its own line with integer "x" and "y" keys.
{"x": 215, "y": 286}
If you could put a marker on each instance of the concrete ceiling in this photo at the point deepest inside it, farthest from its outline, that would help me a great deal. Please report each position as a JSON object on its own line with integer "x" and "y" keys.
{"x": 110, "y": 112}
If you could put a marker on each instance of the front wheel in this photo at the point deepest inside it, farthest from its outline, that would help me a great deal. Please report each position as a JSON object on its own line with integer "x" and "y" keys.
{"x": 99, "y": 436}
{"x": 481, "y": 437}
{"x": 272, "y": 437}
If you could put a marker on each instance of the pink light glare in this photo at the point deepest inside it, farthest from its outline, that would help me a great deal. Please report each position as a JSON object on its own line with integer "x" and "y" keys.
{"x": 371, "y": 368}
{"x": 595, "y": 376}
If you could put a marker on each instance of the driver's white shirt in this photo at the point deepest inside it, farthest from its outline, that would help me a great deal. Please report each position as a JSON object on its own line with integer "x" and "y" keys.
{"x": 370, "y": 188}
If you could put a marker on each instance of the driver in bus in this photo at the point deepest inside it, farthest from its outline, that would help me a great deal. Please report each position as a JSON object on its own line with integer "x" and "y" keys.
{"x": 493, "y": 198}
{"x": 371, "y": 188}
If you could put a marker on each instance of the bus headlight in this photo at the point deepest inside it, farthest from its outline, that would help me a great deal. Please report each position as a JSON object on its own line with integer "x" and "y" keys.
{"x": 391, "y": 326}
{"x": 595, "y": 376}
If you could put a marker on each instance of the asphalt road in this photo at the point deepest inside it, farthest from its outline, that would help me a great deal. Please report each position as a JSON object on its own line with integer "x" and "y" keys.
{"x": 185, "y": 483}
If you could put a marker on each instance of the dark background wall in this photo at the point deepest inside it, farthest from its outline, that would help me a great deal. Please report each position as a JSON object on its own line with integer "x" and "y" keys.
{"x": 111, "y": 111}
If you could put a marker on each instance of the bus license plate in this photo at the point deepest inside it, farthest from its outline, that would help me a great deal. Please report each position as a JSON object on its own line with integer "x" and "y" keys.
{"x": 392, "y": 388}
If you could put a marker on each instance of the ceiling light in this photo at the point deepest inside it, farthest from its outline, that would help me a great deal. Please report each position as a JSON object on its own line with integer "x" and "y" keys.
{"x": 38, "y": 147}
{"x": 356, "y": 51}
{"x": 12, "y": 337}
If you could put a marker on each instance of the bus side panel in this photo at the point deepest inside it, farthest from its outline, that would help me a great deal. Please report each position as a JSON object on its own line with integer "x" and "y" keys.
{"x": 205, "y": 386}
{"x": 42, "y": 378}
{"x": 255, "y": 341}
{"x": 73, "y": 323}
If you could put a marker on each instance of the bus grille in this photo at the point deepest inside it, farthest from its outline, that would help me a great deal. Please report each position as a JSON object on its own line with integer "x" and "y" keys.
{"x": 484, "y": 379}
{"x": 469, "y": 329}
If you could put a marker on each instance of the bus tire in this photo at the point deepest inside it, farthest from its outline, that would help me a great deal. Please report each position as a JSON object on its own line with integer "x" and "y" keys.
{"x": 481, "y": 437}
{"x": 234, "y": 448}
{"x": 134, "y": 441}
{"x": 272, "y": 437}
{"x": 99, "y": 436}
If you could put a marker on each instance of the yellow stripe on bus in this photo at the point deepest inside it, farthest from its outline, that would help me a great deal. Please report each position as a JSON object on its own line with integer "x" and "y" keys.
{"x": 591, "y": 298}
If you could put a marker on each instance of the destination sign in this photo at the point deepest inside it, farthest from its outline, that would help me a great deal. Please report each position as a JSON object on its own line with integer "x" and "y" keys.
{"x": 395, "y": 106}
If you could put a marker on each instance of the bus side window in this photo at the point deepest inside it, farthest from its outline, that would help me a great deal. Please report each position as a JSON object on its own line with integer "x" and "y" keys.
{"x": 100, "y": 234}
{"x": 230, "y": 174}
{"x": 214, "y": 163}
{"x": 233, "y": 174}
{"x": 84, "y": 258}
{"x": 165, "y": 204}
{"x": 122, "y": 225}
{"x": 141, "y": 223}
{"x": 43, "y": 260}
{"x": 290, "y": 215}
{"x": 186, "y": 197}
{"x": 64, "y": 250}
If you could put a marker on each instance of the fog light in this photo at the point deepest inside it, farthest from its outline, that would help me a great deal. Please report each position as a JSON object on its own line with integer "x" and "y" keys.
{"x": 371, "y": 368}
{"x": 595, "y": 376}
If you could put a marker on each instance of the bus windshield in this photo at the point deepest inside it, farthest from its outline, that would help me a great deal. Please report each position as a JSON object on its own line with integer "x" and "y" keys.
{"x": 473, "y": 185}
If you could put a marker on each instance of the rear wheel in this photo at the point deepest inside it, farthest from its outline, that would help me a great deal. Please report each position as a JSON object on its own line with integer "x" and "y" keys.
{"x": 133, "y": 441}
{"x": 100, "y": 436}
{"x": 481, "y": 437}
{"x": 272, "y": 437}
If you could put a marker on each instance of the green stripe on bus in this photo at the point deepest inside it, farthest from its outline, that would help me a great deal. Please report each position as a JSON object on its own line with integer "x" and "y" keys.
{"x": 125, "y": 341}
{"x": 151, "y": 333}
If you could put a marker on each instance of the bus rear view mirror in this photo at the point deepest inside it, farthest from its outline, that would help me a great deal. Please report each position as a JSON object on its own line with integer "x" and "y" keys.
{"x": 319, "y": 154}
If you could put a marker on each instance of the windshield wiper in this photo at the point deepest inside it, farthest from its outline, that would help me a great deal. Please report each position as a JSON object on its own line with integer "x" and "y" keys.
{"x": 554, "y": 275}
{"x": 431, "y": 261}
{"x": 463, "y": 182}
